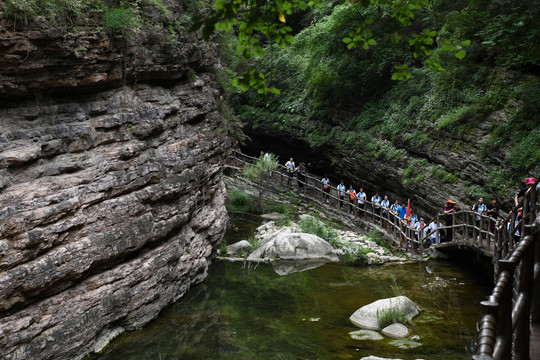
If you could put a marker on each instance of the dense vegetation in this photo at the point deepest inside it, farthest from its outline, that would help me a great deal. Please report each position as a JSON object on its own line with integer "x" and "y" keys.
{"x": 486, "y": 103}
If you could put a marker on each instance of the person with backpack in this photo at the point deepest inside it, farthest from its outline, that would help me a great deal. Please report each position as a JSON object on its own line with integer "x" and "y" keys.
{"x": 302, "y": 170}
{"x": 352, "y": 197}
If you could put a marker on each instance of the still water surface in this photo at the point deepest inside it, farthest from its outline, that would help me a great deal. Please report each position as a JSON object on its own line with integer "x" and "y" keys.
{"x": 250, "y": 312}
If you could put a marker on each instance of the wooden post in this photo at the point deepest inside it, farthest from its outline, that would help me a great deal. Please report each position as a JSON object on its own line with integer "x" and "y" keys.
{"x": 504, "y": 316}
{"x": 466, "y": 228}
{"x": 522, "y": 333}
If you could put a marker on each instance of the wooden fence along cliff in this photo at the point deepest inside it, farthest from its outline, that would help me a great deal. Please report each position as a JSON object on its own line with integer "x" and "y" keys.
{"x": 509, "y": 327}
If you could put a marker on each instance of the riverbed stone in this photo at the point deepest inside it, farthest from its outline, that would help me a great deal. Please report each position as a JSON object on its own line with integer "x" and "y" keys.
{"x": 395, "y": 331}
{"x": 242, "y": 245}
{"x": 365, "y": 335}
{"x": 295, "y": 246}
{"x": 405, "y": 344}
{"x": 366, "y": 316}
{"x": 272, "y": 216}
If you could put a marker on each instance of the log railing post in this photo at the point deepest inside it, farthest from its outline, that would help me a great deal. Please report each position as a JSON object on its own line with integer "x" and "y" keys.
{"x": 525, "y": 289}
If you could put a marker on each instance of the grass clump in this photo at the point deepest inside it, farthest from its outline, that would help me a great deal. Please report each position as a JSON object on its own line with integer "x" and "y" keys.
{"x": 310, "y": 225}
{"x": 390, "y": 316}
{"x": 358, "y": 257}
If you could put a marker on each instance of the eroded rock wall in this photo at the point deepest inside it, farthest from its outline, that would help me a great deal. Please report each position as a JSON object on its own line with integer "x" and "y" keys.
{"x": 111, "y": 197}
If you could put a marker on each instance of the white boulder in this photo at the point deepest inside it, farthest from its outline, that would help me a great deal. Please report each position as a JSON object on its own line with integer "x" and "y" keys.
{"x": 366, "y": 316}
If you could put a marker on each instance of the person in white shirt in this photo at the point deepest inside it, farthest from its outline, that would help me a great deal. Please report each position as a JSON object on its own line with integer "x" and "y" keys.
{"x": 326, "y": 187}
{"x": 431, "y": 230}
{"x": 376, "y": 200}
{"x": 341, "y": 192}
{"x": 291, "y": 168}
{"x": 361, "y": 196}
{"x": 386, "y": 206}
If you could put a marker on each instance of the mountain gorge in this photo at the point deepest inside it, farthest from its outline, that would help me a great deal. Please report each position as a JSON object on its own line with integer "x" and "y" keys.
{"x": 111, "y": 196}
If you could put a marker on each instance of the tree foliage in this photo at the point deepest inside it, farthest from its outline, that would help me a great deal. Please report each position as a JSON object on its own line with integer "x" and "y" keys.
{"x": 256, "y": 24}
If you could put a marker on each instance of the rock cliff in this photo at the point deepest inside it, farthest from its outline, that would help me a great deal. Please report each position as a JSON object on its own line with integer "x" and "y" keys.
{"x": 111, "y": 197}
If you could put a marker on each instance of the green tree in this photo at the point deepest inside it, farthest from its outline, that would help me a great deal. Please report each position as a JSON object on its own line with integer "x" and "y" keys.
{"x": 261, "y": 173}
{"x": 257, "y": 24}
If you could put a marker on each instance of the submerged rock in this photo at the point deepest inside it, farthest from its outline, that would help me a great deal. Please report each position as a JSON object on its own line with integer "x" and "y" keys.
{"x": 365, "y": 335}
{"x": 405, "y": 344}
{"x": 366, "y": 316}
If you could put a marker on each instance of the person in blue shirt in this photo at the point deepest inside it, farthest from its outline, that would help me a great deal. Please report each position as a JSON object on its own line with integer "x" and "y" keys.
{"x": 402, "y": 211}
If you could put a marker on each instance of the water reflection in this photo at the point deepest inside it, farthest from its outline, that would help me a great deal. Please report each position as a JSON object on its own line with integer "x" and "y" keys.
{"x": 252, "y": 312}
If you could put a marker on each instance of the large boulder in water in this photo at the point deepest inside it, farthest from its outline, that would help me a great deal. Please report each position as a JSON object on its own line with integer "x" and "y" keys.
{"x": 295, "y": 246}
{"x": 366, "y": 316}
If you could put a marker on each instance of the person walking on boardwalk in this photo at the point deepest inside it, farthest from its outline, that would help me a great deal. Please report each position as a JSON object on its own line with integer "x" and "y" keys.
{"x": 394, "y": 210}
{"x": 376, "y": 200}
{"x": 431, "y": 230}
{"x": 481, "y": 209}
{"x": 291, "y": 168}
{"x": 449, "y": 210}
{"x": 326, "y": 187}
{"x": 386, "y": 206}
{"x": 529, "y": 183}
{"x": 341, "y": 192}
{"x": 493, "y": 212}
{"x": 236, "y": 151}
{"x": 352, "y": 197}
{"x": 302, "y": 177}
{"x": 361, "y": 195}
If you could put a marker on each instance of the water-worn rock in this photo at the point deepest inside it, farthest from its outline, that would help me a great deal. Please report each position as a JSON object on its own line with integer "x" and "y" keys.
{"x": 111, "y": 198}
{"x": 365, "y": 335}
{"x": 242, "y": 245}
{"x": 395, "y": 331}
{"x": 295, "y": 246}
{"x": 366, "y": 316}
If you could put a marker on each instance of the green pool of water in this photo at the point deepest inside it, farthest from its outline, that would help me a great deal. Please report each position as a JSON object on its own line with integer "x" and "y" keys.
{"x": 249, "y": 312}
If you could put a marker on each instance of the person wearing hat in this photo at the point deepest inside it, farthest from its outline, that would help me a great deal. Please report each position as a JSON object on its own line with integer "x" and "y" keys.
{"x": 529, "y": 182}
{"x": 449, "y": 210}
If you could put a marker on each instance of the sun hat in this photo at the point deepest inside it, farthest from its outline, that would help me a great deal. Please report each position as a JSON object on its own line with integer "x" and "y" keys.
{"x": 451, "y": 202}
{"x": 530, "y": 181}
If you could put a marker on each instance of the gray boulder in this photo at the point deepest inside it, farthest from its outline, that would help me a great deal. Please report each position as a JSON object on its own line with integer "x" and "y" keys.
{"x": 237, "y": 247}
{"x": 295, "y": 246}
{"x": 366, "y": 316}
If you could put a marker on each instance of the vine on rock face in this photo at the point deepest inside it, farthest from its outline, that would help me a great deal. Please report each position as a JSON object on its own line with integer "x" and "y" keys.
{"x": 260, "y": 23}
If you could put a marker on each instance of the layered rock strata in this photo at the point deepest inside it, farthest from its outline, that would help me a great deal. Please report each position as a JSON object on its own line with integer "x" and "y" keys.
{"x": 111, "y": 198}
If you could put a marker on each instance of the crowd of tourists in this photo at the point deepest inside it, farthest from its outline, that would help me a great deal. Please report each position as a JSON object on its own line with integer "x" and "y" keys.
{"x": 487, "y": 217}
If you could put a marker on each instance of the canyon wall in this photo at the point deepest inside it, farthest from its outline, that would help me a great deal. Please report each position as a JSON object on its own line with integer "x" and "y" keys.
{"x": 111, "y": 196}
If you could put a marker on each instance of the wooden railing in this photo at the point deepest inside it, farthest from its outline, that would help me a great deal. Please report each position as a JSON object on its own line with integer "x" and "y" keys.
{"x": 504, "y": 328}
{"x": 513, "y": 308}
{"x": 468, "y": 226}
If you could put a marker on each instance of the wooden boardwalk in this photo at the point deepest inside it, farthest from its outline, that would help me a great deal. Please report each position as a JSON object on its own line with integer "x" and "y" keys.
{"x": 510, "y": 325}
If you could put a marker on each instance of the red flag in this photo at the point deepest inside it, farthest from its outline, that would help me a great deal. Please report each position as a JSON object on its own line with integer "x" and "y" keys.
{"x": 408, "y": 213}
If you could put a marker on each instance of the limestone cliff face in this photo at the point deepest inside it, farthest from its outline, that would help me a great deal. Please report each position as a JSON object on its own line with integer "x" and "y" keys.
{"x": 111, "y": 197}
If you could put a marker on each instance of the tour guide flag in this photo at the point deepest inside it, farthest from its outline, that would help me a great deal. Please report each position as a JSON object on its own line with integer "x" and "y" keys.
{"x": 408, "y": 213}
